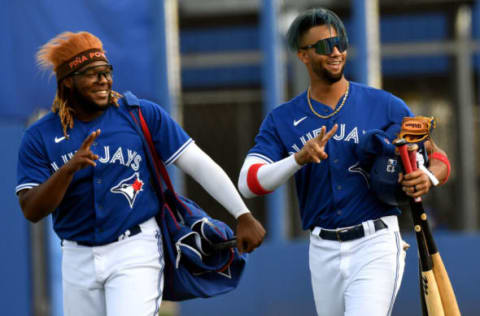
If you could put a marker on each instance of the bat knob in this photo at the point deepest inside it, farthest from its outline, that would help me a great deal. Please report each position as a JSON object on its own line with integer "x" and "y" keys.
{"x": 399, "y": 142}
{"x": 412, "y": 147}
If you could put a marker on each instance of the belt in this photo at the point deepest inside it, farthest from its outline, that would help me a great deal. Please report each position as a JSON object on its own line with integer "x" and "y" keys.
{"x": 350, "y": 233}
{"x": 128, "y": 233}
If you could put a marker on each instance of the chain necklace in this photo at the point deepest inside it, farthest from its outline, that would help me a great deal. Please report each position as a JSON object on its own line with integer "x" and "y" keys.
{"x": 336, "y": 110}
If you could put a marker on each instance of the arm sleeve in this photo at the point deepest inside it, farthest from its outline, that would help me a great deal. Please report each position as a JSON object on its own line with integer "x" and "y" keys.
{"x": 197, "y": 164}
{"x": 268, "y": 176}
{"x": 267, "y": 165}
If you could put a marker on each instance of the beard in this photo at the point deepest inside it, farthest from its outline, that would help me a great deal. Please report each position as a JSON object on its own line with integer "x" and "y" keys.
{"x": 88, "y": 105}
{"x": 326, "y": 75}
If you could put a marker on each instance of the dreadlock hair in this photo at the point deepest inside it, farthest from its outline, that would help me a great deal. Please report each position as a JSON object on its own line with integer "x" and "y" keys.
{"x": 311, "y": 18}
{"x": 57, "y": 55}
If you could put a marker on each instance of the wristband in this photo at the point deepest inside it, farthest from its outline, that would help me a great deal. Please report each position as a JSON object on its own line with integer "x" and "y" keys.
{"x": 430, "y": 175}
{"x": 421, "y": 166}
{"x": 441, "y": 157}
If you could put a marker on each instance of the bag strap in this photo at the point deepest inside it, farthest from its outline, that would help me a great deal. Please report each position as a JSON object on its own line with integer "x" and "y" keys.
{"x": 158, "y": 165}
{"x": 158, "y": 162}
{"x": 150, "y": 152}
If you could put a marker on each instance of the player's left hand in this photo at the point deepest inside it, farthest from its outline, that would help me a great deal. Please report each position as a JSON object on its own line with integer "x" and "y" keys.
{"x": 415, "y": 184}
{"x": 250, "y": 233}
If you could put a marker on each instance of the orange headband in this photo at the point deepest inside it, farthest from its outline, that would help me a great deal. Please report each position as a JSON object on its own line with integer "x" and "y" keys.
{"x": 78, "y": 61}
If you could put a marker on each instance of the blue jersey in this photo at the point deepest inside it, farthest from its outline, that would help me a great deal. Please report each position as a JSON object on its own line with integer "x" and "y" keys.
{"x": 104, "y": 201}
{"x": 334, "y": 193}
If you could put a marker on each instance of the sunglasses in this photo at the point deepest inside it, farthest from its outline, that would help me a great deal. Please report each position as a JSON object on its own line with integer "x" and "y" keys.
{"x": 96, "y": 72}
{"x": 325, "y": 46}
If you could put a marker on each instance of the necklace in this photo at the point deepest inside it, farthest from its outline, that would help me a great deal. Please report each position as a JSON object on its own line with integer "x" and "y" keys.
{"x": 336, "y": 110}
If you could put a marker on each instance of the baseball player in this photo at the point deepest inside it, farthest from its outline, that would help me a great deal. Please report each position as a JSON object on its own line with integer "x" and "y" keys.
{"x": 85, "y": 164}
{"x": 356, "y": 256}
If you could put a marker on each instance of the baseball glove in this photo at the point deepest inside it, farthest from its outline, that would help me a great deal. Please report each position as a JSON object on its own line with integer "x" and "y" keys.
{"x": 417, "y": 129}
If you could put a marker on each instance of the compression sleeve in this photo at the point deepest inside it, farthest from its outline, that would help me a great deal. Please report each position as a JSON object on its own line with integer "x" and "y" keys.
{"x": 197, "y": 164}
{"x": 268, "y": 176}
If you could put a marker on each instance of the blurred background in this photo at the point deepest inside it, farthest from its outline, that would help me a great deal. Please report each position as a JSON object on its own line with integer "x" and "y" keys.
{"x": 218, "y": 66}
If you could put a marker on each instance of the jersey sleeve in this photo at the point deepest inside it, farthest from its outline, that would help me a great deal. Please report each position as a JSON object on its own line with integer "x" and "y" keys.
{"x": 397, "y": 110}
{"x": 168, "y": 136}
{"x": 268, "y": 145}
{"x": 33, "y": 166}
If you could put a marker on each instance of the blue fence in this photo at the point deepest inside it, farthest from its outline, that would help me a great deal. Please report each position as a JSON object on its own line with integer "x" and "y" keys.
{"x": 130, "y": 35}
{"x": 15, "y": 263}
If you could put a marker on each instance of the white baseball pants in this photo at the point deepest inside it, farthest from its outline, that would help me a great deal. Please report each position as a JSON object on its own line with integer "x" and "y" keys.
{"x": 123, "y": 278}
{"x": 359, "y": 277}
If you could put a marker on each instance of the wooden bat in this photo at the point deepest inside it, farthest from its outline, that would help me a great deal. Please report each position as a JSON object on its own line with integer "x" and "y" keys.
{"x": 447, "y": 295}
{"x": 430, "y": 290}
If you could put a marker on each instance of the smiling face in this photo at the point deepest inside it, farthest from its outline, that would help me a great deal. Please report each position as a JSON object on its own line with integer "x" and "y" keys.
{"x": 91, "y": 86}
{"x": 328, "y": 68}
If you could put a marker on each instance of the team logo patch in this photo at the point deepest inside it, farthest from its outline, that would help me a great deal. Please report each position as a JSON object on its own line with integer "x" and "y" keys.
{"x": 129, "y": 187}
{"x": 391, "y": 166}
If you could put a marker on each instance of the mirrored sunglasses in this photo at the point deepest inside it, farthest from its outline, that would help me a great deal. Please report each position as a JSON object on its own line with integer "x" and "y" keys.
{"x": 325, "y": 46}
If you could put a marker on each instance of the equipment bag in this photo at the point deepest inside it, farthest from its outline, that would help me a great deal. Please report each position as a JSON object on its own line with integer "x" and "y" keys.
{"x": 194, "y": 264}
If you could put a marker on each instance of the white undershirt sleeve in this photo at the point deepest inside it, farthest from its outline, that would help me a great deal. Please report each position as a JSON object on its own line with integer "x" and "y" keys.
{"x": 270, "y": 176}
{"x": 197, "y": 164}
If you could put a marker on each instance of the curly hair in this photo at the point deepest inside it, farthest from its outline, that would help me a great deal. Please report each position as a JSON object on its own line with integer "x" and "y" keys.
{"x": 53, "y": 55}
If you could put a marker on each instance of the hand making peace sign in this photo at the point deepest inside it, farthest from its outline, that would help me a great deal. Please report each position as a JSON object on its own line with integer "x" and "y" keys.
{"x": 314, "y": 149}
{"x": 84, "y": 157}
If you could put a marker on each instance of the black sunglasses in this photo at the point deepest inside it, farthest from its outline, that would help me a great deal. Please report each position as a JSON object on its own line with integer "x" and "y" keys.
{"x": 96, "y": 72}
{"x": 325, "y": 46}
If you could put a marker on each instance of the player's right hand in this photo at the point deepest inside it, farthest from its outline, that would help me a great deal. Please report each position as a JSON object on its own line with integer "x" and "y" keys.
{"x": 314, "y": 149}
{"x": 84, "y": 157}
{"x": 250, "y": 233}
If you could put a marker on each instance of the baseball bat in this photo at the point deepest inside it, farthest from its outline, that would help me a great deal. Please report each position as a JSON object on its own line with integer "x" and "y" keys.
{"x": 447, "y": 294}
{"x": 430, "y": 290}
{"x": 422, "y": 291}
{"x": 431, "y": 293}
{"x": 449, "y": 300}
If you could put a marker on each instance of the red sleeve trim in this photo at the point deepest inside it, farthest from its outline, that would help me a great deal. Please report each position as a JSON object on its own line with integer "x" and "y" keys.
{"x": 252, "y": 180}
{"x": 439, "y": 156}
